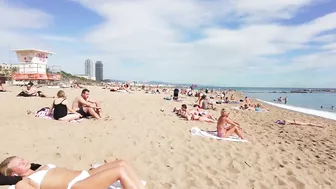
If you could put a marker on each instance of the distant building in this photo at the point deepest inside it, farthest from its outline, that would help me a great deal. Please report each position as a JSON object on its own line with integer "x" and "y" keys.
{"x": 89, "y": 68}
{"x": 99, "y": 71}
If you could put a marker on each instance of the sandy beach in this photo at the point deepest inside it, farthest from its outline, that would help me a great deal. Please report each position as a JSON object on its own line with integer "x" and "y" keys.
{"x": 161, "y": 149}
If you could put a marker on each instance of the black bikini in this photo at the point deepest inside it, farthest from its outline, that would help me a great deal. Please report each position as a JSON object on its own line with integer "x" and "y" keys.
{"x": 60, "y": 110}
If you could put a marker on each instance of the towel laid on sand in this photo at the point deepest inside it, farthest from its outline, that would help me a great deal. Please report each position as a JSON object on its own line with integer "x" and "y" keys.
{"x": 43, "y": 113}
{"x": 116, "y": 185}
{"x": 213, "y": 134}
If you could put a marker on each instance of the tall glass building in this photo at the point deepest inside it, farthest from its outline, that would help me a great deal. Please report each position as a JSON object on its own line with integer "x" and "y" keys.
{"x": 99, "y": 71}
{"x": 89, "y": 68}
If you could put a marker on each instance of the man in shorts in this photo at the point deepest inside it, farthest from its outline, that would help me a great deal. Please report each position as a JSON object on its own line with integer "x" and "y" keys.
{"x": 86, "y": 107}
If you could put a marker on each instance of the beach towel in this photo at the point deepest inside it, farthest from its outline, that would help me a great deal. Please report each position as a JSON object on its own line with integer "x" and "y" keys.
{"x": 116, "y": 185}
{"x": 43, "y": 113}
{"x": 213, "y": 134}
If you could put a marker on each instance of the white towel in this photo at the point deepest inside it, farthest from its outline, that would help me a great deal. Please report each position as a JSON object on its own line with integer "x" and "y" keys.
{"x": 213, "y": 134}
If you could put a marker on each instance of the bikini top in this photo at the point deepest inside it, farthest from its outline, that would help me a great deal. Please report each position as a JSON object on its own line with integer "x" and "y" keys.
{"x": 38, "y": 176}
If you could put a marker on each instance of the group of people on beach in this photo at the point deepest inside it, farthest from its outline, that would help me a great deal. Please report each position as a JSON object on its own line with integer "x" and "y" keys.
{"x": 82, "y": 106}
{"x": 225, "y": 126}
{"x": 25, "y": 175}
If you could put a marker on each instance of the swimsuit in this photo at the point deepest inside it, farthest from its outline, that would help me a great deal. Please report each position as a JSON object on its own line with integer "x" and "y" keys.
{"x": 38, "y": 176}
{"x": 60, "y": 110}
{"x": 83, "y": 113}
{"x": 220, "y": 133}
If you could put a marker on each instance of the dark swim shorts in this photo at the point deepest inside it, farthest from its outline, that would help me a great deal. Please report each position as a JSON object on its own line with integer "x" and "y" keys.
{"x": 83, "y": 113}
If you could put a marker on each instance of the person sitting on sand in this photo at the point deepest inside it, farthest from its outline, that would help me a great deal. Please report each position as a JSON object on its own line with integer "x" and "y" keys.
{"x": 61, "y": 108}
{"x": 2, "y": 88}
{"x": 51, "y": 177}
{"x": 205, "y": 103}
{"x": 31, "y": 91}
{"x": 87, "y": 107}
{"x": 226, "y": 127}
{"x": 294, "y": 122}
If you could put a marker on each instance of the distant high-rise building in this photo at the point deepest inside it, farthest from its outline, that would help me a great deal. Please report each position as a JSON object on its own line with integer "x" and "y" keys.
{"x": 99, "y": 71}
{"x": 89, "y": 68}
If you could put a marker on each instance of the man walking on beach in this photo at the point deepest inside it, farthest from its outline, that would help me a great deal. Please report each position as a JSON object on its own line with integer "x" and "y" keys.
{"x": 86, "y": 107}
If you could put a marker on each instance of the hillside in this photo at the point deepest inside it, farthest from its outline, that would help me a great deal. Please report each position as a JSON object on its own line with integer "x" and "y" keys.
{"x": 66, "y": 77}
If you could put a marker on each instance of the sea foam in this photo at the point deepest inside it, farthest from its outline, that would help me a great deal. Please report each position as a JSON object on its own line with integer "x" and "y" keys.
{"x": 324, "y": 114}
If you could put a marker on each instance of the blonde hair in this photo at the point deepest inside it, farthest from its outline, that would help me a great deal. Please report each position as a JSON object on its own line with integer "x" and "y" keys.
{"x": 4, "y": 170}
{"x": 61, "y": 94}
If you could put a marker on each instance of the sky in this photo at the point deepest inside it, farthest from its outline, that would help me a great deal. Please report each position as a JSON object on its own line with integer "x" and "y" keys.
{"x": 242, "y": 43}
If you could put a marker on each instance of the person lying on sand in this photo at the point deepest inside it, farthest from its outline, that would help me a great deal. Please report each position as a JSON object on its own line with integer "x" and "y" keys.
{"x": 12, "y": 180}
{"x": 51, "y": 177}
{"x": 294, "y": 122}
{"x": 226, "y": 127}
{"x": 61, "y": 108}
{"x": 87, "y": 107}
{"x": 246, "y": 107}
{"x": 194, "y": 114}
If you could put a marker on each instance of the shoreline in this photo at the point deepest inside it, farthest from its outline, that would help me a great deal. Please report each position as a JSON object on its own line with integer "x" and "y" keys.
{"x": 319, "y": 113}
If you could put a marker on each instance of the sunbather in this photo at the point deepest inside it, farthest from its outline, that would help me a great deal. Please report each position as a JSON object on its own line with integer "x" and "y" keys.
{"x": 226, "y": 127}
{"x": 52, "y": 177}
{"x": 61, "y": 108}
{"x": 2, "y": 88}
{"x": 294, "y": 122}
{"x": 195, "y": 114}
{"x": 32, "y": 91}
{"x": 87, "y": 107}
{"x": 12, "y": 180}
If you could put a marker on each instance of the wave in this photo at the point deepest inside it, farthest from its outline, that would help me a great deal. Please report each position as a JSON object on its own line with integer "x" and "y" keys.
{"x": 324, "y": 114}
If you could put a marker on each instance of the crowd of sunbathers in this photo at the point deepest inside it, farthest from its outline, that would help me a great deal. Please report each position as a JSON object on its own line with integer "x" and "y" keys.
{"x": 225, "y": 126}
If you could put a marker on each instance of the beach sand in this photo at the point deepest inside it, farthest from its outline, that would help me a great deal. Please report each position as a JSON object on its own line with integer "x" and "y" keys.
{"x": 159, "y": 145}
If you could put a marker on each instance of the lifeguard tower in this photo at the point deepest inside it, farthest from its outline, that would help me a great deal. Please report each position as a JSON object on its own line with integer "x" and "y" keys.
{"x": 33, "y": 66}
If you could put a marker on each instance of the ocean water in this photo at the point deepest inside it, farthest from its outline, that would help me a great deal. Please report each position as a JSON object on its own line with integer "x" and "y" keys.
{"x": 306, "y": 100}
{"x": 309, "y": 103}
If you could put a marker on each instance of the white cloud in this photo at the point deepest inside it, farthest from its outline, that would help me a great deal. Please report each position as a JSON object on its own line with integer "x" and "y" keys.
{"x": 22, "y": 17}
{"x": 193, "y": 40}
{"x": 58, "y": 38}
{"x": 261, "y": 10}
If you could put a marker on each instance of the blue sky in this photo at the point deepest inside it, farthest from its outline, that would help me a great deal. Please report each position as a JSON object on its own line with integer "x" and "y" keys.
{"x": 279, "y": 43}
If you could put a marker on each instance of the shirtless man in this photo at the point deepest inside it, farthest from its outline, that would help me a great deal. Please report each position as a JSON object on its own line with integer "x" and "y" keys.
{"x": 32, "y": 91}
{"x": 226, "y": 127}
{"x": 86, "y": 107}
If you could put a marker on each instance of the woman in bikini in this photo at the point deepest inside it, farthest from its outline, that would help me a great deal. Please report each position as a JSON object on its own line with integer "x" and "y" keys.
{"x": 61, "y": 109}
{"x": 226, "y": 127}
{"x": 52, "y": 177}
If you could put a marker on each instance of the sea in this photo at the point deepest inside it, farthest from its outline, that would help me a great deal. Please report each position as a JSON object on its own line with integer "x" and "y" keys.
{"x": 315, "y": 103}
